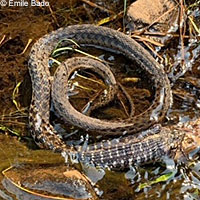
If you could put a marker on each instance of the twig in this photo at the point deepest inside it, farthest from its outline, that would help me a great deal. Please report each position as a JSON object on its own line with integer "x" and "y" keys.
{"x": 182, "y": 28}
{"x": 164, "y": 34}
{"x": 53, "y": 15}
{"x": 12, "y": 123}
{"x": 122, "y": 103}
{"x": 90, "y": 74}
{"x": 155, "y": 33}
{"x": 90, "y": 79}
{"x": 97, "y": 6}
{"x": 76, "y": 84}
{"x": 108, "y": 19}
{"x": 16, "y": 112}
{"x": 26, "y": 47}
{"x": 143, "y": 39}
{"x": 3, "y": 38}
{"x": 91, "y": 100}
{"x": 153, "y": 50}
{"x": 125, "y": 10}
{"x": 76, "y": 50}
{"x": 194, "y": 25}
{"x": 15, "y": 94}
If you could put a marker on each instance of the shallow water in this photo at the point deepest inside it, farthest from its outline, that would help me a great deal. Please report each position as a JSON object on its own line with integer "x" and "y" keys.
{"x": 17, "y": 149}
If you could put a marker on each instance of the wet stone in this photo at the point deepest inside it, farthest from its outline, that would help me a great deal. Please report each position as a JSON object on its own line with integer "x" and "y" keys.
{"x": 47, "y": 181}
{"x": 143, "y": 13}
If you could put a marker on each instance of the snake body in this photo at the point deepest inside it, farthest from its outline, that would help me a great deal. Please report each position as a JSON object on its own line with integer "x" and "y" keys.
{"x": 118, "y": 152}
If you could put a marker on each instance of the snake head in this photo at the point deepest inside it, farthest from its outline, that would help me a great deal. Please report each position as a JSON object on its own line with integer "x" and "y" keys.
{"x": 191, "y": 139}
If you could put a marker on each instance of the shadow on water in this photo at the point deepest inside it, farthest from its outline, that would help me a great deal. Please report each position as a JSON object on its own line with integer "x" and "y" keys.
{"x": 30, "y": 173}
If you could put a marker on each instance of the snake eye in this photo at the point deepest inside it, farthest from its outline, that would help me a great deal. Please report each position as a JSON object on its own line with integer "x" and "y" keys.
{"x": 189, "y": 140}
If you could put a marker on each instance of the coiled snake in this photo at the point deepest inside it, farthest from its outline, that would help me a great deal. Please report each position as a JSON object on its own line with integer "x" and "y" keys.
{"x": 118, "y": 152}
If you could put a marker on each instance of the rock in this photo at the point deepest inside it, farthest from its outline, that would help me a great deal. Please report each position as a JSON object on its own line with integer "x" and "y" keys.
{"x": 145, "y": 12}
{"x": 47, "y": 182}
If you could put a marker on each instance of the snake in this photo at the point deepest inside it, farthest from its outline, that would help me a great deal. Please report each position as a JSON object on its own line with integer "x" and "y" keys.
{"x": 138, "y": 138}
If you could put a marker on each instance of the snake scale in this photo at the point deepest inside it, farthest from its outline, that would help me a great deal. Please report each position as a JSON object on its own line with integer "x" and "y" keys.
{"x": 120, "y": 152}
